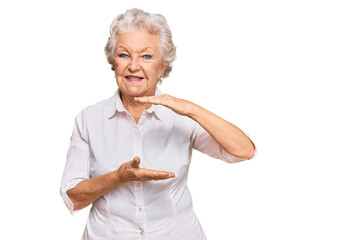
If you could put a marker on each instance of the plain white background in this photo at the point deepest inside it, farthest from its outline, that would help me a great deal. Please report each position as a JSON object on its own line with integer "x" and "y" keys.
{"x": 286, "y": 72}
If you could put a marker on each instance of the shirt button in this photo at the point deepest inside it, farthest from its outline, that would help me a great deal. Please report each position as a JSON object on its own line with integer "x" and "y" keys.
{"x": 140, "y": 209}
{"x": 141, "y": 233}
{"x": 138, "y": 184}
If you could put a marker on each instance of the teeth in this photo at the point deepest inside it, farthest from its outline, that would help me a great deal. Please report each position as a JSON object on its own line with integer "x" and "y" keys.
{"x": 134, "y": 78}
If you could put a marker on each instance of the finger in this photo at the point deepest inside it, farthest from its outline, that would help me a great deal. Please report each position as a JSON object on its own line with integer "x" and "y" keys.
{"x": 166, "y": 176}
{"x": 135, "y": 162}
{"x": 158, "y": 175}
{"x": 149, "y": 99}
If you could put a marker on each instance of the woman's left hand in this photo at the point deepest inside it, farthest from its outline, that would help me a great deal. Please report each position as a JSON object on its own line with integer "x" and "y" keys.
{"x": 229, "y": 136}
{"x": 180, "y": 106}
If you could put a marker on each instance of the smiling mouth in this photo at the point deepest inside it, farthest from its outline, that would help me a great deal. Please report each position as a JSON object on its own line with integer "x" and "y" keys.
{"x": 132, "y": 78}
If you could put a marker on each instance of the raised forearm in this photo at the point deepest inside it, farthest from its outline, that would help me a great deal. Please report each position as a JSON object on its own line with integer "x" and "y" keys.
{"x": 229, "y": 136}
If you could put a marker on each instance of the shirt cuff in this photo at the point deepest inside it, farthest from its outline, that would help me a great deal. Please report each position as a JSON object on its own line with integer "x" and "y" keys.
{"x": 63, "y": 189}
{"x": 229, "y": 158}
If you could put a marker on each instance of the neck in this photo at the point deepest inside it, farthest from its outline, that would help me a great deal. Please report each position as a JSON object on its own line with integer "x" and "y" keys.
{"x": 134, "y": 108}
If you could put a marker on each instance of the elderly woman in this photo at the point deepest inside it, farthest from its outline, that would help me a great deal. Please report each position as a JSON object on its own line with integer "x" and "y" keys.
{"x": 129, "y": 155}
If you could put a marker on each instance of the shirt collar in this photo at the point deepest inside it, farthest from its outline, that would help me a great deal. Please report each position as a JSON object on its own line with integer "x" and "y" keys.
{"x": 115, "y": 104}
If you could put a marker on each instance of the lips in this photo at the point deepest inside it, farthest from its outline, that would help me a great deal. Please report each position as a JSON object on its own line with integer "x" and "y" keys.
{"x": 133, "y": 78}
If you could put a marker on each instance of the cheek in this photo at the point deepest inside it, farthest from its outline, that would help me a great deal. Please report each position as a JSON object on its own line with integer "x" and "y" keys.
{"x": 119, "y": 72}
{"x": 119, "y": 66}
{"x": 157, "y": 70}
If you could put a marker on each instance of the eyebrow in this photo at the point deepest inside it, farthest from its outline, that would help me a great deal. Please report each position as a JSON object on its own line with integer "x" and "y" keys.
{"x": 121, "y": 47}
{"x": 139, "y": 51}
{"x": 146, "y": 49}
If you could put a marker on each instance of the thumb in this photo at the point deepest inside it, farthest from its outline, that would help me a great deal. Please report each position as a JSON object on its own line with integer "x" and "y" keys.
{"x": 135, "y": 162}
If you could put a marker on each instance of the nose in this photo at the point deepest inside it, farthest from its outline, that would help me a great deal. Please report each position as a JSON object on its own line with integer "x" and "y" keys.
{"x": 134, "y": 64}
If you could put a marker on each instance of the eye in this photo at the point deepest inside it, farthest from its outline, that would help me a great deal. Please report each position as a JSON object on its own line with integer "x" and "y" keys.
{"x": 147, "y": 57}
{"x": 123, "y": 55}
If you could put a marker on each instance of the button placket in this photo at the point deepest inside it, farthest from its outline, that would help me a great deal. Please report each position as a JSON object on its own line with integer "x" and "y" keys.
{"x": 138, "y": 186}
{"x": 139, "y": 201}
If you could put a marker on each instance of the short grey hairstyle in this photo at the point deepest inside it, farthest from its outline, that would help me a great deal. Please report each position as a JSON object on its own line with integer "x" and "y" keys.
{"x": 137, "y": 19}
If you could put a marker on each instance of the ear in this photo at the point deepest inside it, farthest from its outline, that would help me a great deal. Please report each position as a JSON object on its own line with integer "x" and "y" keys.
{"x": 112, "y": 64}
{"x": 164, "y": 67}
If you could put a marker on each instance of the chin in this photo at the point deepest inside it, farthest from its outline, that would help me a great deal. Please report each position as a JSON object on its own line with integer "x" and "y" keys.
{"x": 134, "y": 91}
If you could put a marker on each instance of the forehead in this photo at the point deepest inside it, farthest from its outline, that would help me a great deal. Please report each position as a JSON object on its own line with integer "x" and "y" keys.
{"x": 137, "y": 41}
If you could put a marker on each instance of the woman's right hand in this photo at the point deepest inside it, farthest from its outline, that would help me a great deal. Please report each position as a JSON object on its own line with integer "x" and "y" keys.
{"x": 130, "y": 171}
{"x": 89, "y": 190}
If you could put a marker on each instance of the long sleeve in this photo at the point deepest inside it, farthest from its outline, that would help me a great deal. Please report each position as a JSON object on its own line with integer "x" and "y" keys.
{"x": 77, "y": 163}
{"x": 203, "y": 142}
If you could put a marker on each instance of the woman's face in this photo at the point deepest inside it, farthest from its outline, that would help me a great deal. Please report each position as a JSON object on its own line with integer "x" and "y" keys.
{"x": 138, "y": 63}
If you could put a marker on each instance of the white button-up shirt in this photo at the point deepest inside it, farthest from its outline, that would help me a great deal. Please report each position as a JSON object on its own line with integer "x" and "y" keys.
{"x": 105, "y": 136}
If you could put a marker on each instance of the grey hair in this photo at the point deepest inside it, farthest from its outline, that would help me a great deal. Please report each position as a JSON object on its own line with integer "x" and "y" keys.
{"x": 136, "y": 19}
